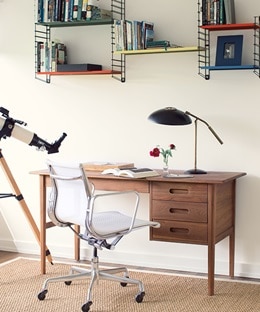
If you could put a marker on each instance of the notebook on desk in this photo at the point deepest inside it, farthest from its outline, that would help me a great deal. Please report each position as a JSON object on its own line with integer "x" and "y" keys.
{"x": 101, "y": 166}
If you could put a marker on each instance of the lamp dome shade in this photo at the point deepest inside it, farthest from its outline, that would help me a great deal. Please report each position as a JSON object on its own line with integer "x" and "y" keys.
{"x": 170, "y": 116}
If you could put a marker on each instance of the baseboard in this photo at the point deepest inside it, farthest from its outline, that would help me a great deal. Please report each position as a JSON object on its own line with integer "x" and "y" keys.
{"x": 170, "y": 261}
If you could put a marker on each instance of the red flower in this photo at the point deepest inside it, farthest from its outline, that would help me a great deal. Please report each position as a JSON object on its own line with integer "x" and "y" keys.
{"x": 155, "y": 152}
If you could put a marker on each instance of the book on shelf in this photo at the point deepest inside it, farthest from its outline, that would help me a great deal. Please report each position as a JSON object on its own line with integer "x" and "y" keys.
{"x": 129, "y": 35}
{"x": 66, "y": 11}
{"x": 100, "y": 166}
{"x": 147, "y": 33}
{"x": 80, "y": 4}
{"x": 84, "y": 10}
{"x": 42, "y": 56}
{"x": 222, "y": 14}
{"x": 137, "y": 34}
{"x": 229, "y": 6}
{"x": 38, "y": 56}
{"x": 120, "y": 36}
{"x": 75, "y": 10}
{"x": 158, "y": 44}
{"x": 136, "y": 173}
{"x": 70, "y": 10}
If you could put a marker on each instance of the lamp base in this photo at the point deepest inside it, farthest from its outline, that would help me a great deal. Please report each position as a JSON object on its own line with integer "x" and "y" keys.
{"x": 195, "y": 171}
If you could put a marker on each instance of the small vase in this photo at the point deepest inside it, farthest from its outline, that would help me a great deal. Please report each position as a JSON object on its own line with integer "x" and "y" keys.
{"x": 165, "y": 170}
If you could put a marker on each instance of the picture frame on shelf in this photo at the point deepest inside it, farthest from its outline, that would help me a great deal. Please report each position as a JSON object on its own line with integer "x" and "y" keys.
{"x": 229, "y": 50}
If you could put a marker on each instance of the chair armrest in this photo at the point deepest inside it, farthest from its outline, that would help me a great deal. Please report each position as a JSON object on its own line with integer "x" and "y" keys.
{"x": 135, "y": 206}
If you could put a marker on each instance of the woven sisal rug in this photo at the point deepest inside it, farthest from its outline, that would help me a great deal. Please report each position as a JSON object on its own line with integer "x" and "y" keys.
{"x": 20, "y": 282}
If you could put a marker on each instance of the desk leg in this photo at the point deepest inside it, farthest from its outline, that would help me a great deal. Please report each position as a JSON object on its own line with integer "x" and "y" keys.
{"x": 232, "y": 255}
{"x": 77, "y": 244}
{"x": 211, "y": 268}
{"x": 43, "y": 223}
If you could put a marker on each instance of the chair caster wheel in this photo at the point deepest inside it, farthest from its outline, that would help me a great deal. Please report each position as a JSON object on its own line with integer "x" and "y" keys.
{"x": 68, "y": 283}
{"x": 139, "y": 297}
{"x": 124, "y": 284}
{"x": 86, "y": 306}
{"x": 42, "y": 294}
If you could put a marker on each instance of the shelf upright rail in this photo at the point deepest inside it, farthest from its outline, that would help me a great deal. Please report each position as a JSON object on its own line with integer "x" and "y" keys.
{"x": 203, "y": 41}
{"x": 257, "y": 46}
{"x": 42, "y": 36}
{"x": 118, "y": 60}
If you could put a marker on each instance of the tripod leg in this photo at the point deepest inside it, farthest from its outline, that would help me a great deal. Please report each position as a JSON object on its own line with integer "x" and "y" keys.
{"x": 22, "y": 202}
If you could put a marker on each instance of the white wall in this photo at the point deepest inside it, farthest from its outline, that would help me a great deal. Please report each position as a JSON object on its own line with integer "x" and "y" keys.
{"x": 107, "y": 120}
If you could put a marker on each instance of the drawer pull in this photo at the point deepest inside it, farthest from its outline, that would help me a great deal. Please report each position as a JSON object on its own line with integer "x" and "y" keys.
{"x": 178, "y": 191}
{"x": 179, "y": 230}
{"x": 178, "y": 210}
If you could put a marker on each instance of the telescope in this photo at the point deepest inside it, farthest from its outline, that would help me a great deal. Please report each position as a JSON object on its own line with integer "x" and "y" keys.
{"x": 10, "y": 127}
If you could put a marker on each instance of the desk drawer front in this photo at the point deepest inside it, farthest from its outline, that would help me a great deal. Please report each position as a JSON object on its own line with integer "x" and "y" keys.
{"x": 179, "y": 211}
{"x": 187, "y": 192}
{"x": 182, "y": 232}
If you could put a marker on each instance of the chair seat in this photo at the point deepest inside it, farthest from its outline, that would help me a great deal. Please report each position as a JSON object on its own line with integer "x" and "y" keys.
{"x": 113, "y": 222}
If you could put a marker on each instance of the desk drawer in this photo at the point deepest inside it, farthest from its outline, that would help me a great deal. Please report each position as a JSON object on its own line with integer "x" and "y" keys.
{"x": 188, "y": 192}
{"x": 179, "y": 211}
{"x": 181, "y": 232}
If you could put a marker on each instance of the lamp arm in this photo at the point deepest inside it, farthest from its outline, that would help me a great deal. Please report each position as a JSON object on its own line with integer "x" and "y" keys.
{"x": 210, "y": 128}
{"x": 215, "y": 134}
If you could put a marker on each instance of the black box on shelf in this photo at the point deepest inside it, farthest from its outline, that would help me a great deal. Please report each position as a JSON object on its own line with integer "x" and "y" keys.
{"x": 78, "y": 67}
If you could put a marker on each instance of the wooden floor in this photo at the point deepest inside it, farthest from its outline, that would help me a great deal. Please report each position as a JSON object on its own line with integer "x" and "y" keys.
{"x": 7, "y": 256}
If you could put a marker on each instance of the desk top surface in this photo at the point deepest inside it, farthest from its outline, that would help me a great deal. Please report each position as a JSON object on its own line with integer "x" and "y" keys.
{"x": 210, "y": 177}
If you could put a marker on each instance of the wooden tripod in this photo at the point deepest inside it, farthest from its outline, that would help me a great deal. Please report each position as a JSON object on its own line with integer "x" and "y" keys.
{"x": 17, "y": 194}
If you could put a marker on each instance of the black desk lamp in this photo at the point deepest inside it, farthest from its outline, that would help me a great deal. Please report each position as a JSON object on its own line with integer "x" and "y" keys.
{"x": 173, "y": 117}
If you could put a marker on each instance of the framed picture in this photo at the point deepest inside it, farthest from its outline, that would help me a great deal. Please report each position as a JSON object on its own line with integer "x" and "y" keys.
{"x": 229, "y": 50}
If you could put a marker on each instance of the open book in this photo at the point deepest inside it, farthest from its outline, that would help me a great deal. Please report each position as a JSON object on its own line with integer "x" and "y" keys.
{"x": 132, "y": 172}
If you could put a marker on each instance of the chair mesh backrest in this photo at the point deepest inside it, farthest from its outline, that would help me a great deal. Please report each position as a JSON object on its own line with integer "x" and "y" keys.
{"x": 69, "y": 197}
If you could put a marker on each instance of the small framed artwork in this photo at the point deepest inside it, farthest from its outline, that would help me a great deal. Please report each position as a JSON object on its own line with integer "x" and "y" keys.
{"x": 229, "y": 50}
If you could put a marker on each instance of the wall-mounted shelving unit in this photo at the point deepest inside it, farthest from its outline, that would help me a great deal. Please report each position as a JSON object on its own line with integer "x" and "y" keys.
{"x": 118, "y": 58}
{"x": 204, "y": 41}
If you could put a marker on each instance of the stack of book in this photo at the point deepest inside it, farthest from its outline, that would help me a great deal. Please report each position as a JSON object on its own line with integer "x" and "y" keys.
{"x": 49, "y": 55}
{"x": 214, "y": 12}
{"x": 132, "y": 35}
{"x": 69, "y": 10}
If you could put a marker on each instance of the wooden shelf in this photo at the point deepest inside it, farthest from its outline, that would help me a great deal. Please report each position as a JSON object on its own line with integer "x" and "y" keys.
{"x": 91, "y": 72}
{"x": 229, "y": 26}
{"x": 160, "y": 50}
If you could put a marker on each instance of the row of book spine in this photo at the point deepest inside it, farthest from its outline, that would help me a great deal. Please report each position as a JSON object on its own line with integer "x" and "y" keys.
{"x": 214, "y": 12}
{"x": 132, "y": 35}
{"x": 68, "y": 10}
{"x": 49, "y": 55}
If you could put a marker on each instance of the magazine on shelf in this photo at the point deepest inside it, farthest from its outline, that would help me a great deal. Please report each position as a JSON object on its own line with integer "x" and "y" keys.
{"x": 132, "y": 172}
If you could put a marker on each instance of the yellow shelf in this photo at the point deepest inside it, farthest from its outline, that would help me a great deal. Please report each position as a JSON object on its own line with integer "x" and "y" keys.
{"x": 160, "y": 50}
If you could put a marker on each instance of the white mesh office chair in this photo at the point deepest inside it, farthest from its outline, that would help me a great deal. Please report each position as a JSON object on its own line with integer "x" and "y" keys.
{"x": 73, "y": 201}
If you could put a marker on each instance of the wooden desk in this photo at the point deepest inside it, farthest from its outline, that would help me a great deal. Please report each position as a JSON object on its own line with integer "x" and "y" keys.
{"x": 198, "y": 210}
